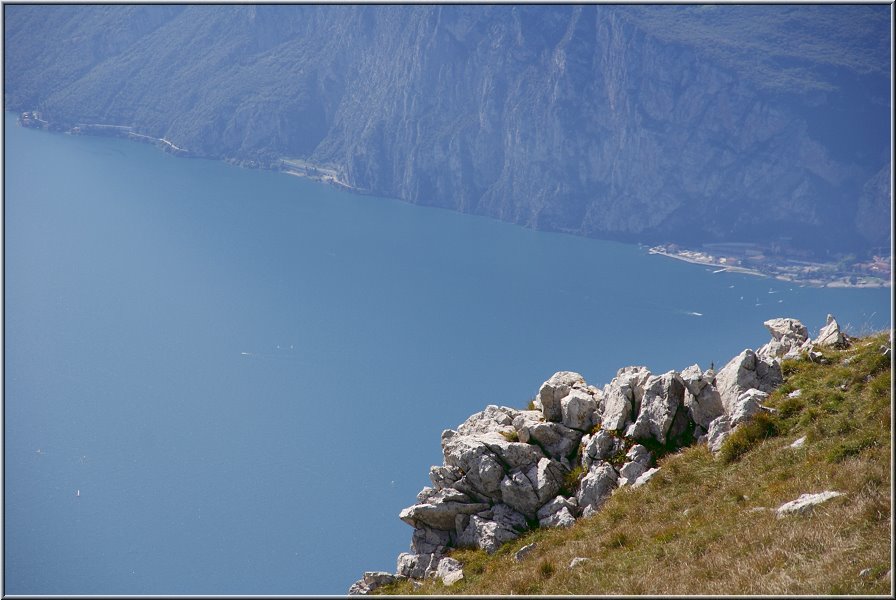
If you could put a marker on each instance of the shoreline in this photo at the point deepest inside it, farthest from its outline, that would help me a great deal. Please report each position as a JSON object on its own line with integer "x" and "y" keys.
{"x": 820, "y": 282}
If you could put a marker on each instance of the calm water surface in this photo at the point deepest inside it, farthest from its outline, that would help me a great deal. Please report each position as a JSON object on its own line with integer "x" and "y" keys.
{"x": 223, "y": 381}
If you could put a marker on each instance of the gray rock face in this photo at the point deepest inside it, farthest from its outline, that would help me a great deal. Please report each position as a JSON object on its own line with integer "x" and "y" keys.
{"x": 578, "y": 408}
{"x": 439, "y": 509}
{"x": 526, "y": 491}
{"x": 789, "y": 338}
{"x": 416, "y": 566}
{"x": 663, "y": 396}
{"x": 599, "y": 447}
{"x": 369, "y": 582}
{"x": 444, "y": 476}
{"x": 427, "y": 540}
{"x": 554, "y": 390}
{"x": 557, "y": 440}
{"x": 622, "y": 397}
{"x": 645, "y": 477}
{"x": 704, "y": 407}
{"x": 557, "y": 513}
{"x": 747, "y": 404}
{"x": 486, "y": 534}
{"x": 450, "y": 571}
{"x": 743, "y": 372}
{"x": 830, "y": 335}
{"x": 718, "y": 432}
{"x": 629, "y": 472}
{"x": 595, "y": 488}
{"x": 494, "y": 419}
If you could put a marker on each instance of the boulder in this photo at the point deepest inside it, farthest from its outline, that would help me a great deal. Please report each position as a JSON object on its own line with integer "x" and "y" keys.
{"x": 483, "y": 479}
{"x": 743, "y": 372}
{"x": 629, "y": 472}
{"x": 492, "y": 419}
{"x": 705, "y": 406}
{"x": 554, "y": 390}
{"x": 526, "y": 491}
{"x": 439, "y": 509}
{"x": 595, "y": 487}
{"x": 464, "y": 451}
{"x": 370, "y": 581}
{"x": 747, "y": 404}
{"x": 645, "y": 477}
{"x": 830, "y": 335}
{"x": 450, "y": 571}
{"x": 798, "y": 443}
{"x": 578, "y": 408}
{"x": 805, "y": 503}
{"x": 578, "y": 560}
{"x": 557, "y": 513}
{"x": 444, "y": 476}
{"x": 416, "y": 566}
{"x": 718, "y": 432}
{"x": 427, "y": 540}
{"x": 663, "y": 396}
{"x": 599, "y": 447}
{"x": 621, "y": 398}
{"x": 694, "y": 380}
{"x": 789, "y": 338}
{"x": 555, "y": 439}
{"x": 485, "y": 534}
{"x": 639, "y": 453}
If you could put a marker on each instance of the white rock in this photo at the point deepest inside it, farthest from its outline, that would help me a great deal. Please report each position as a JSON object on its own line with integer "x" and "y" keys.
{"x": 645, "y": 477}
{"x": 789, "y": 338}
{"x": 416, "y": 566}
{"x": 805, "y": 503}
{"x": 578, "y": 560}
{"x": 578, "y": 409}
{"x": 526, "y": 491}
{"x": 622, "y": 397}
{"x": 629, "y": 472}
{"x": 370, "y": 581}
{"x": 799, "y": 443}
{"x": 743, "y": 372}
{"x": 440, "y": 509}
{"x": 557, "y": 513}
{"x": 705, "y": 406}
{"x": 830, "y": 335}
{"x": 557, "y": 440}
{"x": 427, "y": 540}
{"x": 663, "y": 395}
{"x": 718, "y": 432}
{"x": 450, "y": 571}
{"x": 600, "y": 446}
{"x": 492, "y": 419}
{"x": 554, "y": 389}
{"x": 747, "y": 404}
{"x": 795, "y": 394}
{"x": 486, "y": 534}
{"x": 596, "y": 486}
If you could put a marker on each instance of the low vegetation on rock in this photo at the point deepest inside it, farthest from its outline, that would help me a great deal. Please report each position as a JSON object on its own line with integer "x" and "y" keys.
{"x": 794, "y": 498}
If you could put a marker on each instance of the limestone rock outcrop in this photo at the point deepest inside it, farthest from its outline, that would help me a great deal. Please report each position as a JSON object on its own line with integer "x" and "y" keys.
{"x": 507, "y": 470}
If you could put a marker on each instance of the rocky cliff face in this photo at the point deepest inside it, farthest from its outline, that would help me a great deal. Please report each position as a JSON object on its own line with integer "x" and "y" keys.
{"x": 649, "y": 123}
{"x": 507, "y": 470}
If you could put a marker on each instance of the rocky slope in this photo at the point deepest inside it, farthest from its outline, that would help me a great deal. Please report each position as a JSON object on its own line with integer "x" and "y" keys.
{"x": 685, "y": 124}
{"x": 508, "y": 471}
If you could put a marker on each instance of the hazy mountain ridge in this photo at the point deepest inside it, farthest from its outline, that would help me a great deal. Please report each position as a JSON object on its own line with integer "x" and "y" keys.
{"x": 647, "y": 123}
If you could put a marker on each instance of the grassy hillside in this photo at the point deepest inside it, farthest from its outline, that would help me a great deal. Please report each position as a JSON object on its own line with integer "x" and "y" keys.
{"x": 707, "y": 525}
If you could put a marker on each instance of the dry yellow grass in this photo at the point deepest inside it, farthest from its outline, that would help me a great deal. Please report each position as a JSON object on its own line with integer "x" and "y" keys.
{"x": 702, "y": 526}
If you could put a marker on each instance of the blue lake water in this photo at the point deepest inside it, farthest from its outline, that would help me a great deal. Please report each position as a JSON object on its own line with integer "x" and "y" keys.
{"x": 225, "y": 381}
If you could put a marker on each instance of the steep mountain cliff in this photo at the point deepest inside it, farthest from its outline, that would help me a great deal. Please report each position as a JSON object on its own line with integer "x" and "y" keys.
{"x": 662, "y": 123}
